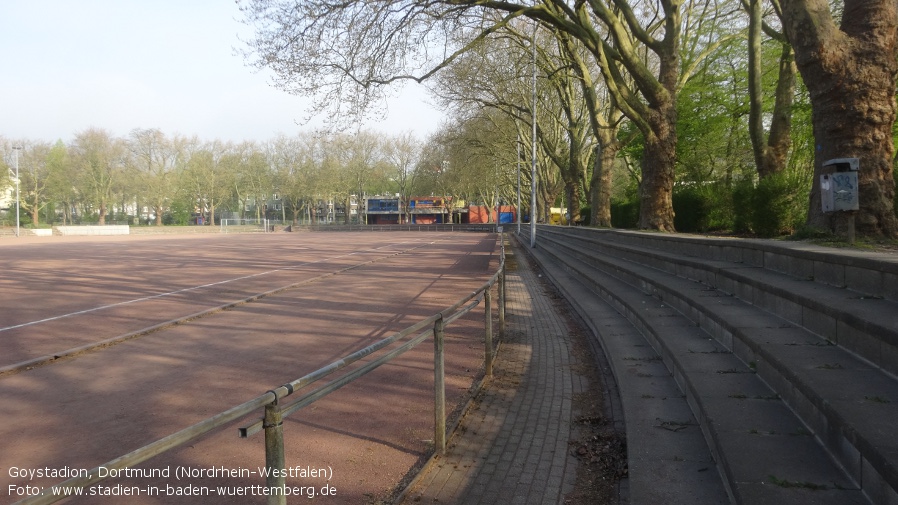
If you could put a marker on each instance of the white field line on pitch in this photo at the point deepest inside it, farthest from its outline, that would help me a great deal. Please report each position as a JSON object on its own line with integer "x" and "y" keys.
{"x": 185, "y": 290}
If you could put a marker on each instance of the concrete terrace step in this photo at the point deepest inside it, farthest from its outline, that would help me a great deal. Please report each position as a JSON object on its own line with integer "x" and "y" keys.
{"x": 845, "y": 403}
{"x": 668, "y": 459}
{"x": 865, "y": 272}
{"x": 864, "y": 323}
{"x": 762, "y": 450}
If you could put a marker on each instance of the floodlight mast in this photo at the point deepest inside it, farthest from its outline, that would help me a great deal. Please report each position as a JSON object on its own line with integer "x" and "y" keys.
{"x": 533, "y": 148}
{"x": 518, "y": 210}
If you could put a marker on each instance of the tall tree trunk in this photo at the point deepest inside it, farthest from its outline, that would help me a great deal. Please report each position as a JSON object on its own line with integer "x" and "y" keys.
{"x": 658, "y": 163}
{"x": 850, "y": 73}
{"x": 603, "y": 119}
{"x": 600, "y": 184}
{"x": 574, "y": 175}
{"x": 780, "y": 139}
{"x": 770, "y": 154}
{"x": 575, "y": 196}
{"x": 755, "y": 96}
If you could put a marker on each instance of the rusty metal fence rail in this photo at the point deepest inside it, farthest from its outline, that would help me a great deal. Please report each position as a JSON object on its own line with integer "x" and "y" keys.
{"x": 447, "y": 227}
{"x": 275, "y": 411}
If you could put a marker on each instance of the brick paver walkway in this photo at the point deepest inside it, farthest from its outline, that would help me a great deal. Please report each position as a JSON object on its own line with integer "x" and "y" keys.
{"x": 512, "y": 447}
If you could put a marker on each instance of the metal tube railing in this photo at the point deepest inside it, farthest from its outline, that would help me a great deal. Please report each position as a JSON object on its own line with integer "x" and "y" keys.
{"x": 342, "y": 381}
{"x": 483, "y": 227}
{"x": 154, "y": 449}
{"x": 488, "y": 338}
{"x": 272, "y": 422}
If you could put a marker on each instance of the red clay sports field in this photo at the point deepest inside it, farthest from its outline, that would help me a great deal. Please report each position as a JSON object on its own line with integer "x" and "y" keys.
{"x": 73, "y": 413}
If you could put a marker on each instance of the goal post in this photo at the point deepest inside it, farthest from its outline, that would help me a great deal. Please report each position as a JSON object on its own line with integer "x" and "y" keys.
{"x": 245, "y": 225}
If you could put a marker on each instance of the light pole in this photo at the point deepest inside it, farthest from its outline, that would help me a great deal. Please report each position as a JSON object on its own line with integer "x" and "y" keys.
{"x": 533, "y": 148}
{"x": 518, "y": 210}
{"x": 17, "y": 149}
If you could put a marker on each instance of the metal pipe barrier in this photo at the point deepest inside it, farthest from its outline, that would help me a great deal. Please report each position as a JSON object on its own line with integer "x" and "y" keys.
{"x": 483, "y": 228}
{"x": 272, "y": 422}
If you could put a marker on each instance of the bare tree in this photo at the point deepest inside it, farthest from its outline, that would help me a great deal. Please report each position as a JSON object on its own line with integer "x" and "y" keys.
{"x": 206, "y": 179}
{"x": 489, "y": 90}
{"x": 156, "y": 160}
{"x": 287, "y": 156}
{"x": 35, "y": 169}
{"x": 346, "y": 52}
{"x": 100, "y": 159}
{"x": 402, "y": 153}
{"x": 361, "y": 157}
{"x": 252, "y": 180}
{"x": 605, "y": 120}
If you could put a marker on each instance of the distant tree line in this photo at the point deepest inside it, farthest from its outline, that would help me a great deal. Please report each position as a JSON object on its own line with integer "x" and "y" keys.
{"x": 151, "y": 178}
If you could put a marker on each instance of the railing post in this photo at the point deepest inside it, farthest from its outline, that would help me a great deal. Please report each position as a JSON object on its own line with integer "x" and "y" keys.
{"x": 501, "y": 291}
{"x": 439, "y": 388}
{"x": 488, "y": 322}
{"x": 274, "y": 455}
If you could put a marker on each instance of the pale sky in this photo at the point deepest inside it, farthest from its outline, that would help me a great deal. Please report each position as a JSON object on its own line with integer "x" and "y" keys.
{"x": 69, "y": 65}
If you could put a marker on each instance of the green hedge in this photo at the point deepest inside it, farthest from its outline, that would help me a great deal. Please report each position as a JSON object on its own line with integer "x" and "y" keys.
{"x": 625, "y": 213}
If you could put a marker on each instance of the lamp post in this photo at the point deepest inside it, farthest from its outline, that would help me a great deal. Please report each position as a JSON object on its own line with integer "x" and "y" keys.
{"x": 17, "y": 149}
{"x": 533, "y": 148}
{"x": 518, "y": 210}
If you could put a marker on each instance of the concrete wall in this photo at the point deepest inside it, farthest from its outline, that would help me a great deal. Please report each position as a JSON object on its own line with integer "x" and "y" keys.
{"x": 92, "y": 230}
